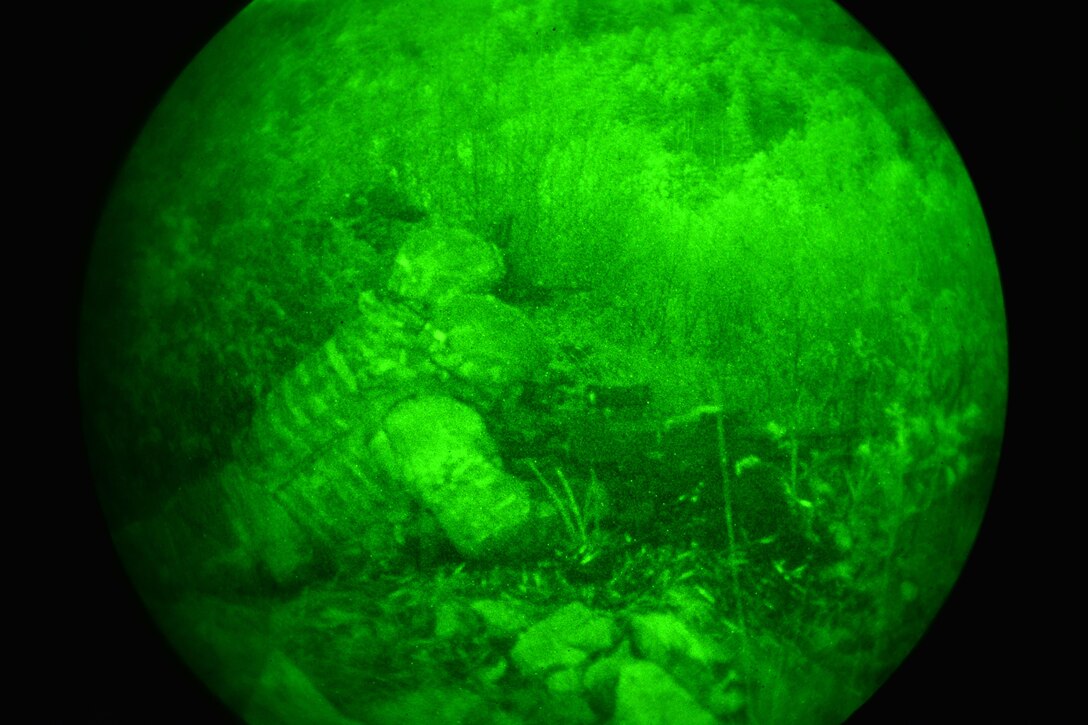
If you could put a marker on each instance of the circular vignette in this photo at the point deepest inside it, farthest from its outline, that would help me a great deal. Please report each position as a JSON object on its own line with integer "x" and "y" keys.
{"x": 956, "y": 642}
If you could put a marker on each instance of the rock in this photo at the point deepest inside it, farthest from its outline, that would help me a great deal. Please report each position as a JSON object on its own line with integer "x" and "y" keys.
{"x": 493, "y": 673}
{"x": 606, "y": 671}
{"x": 226, "y": 644}
{"x": 449, "y": 620}
{"x": 689, "y": 657}
{"x": 725, "y": 699}
{"x": 586, "y": 629}
{"x": 569, "y": 680}
{"x": 286, "y": 695}
{"x": 537, "y": 653}
{"x": 565, "y": 639}
{"x": 429, "y": 705}
{"x": 601, "y": 677}
{"x": 647, "y": 695}
{"x": 503, "y": 618}
{"x": 570, "y": 708}
{"x": 663, "y": 638}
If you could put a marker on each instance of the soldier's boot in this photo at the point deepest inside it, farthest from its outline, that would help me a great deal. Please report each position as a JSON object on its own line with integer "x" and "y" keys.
{"x": 273, "y": 550}
{"x": 443, "y": 453}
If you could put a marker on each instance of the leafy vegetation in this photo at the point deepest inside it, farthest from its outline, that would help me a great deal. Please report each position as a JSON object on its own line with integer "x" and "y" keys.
{"x": 737, "y": 223}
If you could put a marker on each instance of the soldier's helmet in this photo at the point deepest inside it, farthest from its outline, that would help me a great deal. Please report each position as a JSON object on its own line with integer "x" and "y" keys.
{"x": 436, "y": 262}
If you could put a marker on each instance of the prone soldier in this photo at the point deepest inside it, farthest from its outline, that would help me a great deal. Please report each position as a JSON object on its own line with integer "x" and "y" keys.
{"x": 385, "y": 425}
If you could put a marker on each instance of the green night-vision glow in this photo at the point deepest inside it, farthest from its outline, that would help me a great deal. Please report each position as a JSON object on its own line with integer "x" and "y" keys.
{"x": 507, "y": 361}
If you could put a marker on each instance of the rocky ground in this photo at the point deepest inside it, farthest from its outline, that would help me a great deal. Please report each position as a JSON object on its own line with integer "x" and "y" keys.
{"x": 456, "y": 644}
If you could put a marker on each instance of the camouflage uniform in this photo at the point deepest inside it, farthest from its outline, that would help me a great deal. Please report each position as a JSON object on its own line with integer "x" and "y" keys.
{"x": 383, "y": 424}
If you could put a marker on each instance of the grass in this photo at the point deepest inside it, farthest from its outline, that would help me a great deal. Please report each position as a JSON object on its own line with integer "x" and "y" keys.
{"x": 804, "y": 634}
{"x": 579, "y": 519}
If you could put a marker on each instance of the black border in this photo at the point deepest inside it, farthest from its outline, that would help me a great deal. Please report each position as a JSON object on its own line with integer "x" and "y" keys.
{"x": 123, "y": 56}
